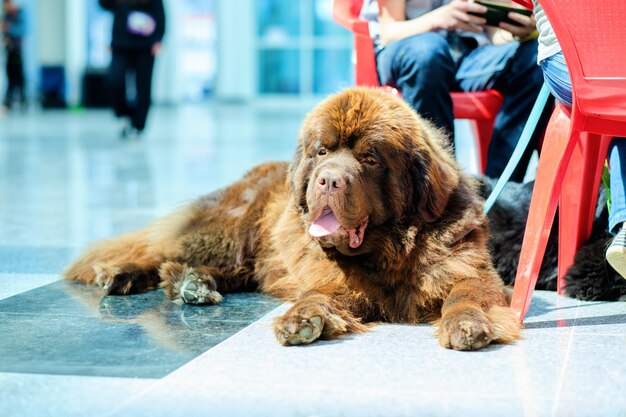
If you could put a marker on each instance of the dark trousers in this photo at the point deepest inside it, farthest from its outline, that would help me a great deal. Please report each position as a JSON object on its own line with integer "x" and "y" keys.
{"x": 138, "y": 65}
{"x": 15, "y": 77}
{"x": 424, "y": 69}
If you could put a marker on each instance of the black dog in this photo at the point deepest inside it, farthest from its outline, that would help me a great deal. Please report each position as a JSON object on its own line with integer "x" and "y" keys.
{"x": 590, "y": 278}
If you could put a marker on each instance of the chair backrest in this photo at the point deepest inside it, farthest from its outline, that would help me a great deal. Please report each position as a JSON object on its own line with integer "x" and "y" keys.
{"x": 346, "y": 13}
{"x": 349, "y": 9}
{"x": 592, "y": 35}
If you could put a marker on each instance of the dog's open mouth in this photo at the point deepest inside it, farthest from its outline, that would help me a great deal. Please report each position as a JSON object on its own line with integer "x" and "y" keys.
{"x": 328, "y": 224}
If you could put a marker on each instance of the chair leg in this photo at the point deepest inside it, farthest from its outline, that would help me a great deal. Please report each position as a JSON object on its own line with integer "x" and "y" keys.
{"x": 577, "y": 203}
{"x": 555, "y": 155}
{"x": 483, "y": 129}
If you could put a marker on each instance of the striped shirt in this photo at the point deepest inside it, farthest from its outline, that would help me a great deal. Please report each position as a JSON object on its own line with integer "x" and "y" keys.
{"x": 548, "y": 43}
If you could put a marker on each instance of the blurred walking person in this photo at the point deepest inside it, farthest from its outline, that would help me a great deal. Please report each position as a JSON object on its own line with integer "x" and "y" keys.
{"x": 138, "y": 29}
{"x": 13, "y": 30}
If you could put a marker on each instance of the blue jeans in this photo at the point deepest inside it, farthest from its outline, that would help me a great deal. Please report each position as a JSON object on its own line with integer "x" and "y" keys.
{"x": 557, "y": 78}
{"x": 427, "y": 67}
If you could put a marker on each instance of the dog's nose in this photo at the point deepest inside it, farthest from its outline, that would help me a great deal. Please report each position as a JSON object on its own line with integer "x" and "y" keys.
{"x": 330, "y": 182}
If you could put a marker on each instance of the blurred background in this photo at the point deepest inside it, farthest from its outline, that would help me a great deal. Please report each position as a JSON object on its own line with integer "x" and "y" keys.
{"x": 277, "y": 50}
{"x": 231, "y": 86}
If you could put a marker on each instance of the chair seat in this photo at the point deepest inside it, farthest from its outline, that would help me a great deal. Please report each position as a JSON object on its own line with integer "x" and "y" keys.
{"x": 477, "y": 105}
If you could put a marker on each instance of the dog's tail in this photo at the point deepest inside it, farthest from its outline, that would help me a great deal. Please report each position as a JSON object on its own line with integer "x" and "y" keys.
{"x": 114, "y": 254}
{"x": 139, "y": 253}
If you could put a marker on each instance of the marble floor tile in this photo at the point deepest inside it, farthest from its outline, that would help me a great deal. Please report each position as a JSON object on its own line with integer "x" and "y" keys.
{"x": 399, "y": 370}
{"x": 68, "y": 328}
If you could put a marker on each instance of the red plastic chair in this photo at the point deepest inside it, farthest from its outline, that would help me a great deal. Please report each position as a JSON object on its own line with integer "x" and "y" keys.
{"x": 479, "y": 107}
{"x": 591, "y": 34}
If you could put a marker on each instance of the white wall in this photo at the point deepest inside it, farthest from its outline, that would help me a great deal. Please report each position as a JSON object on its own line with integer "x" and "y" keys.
{"x": 75, "y": 58}
{"x": 236, "y": 51}
{"x": 166, "y": 69}
{"x": 50, "y": 31}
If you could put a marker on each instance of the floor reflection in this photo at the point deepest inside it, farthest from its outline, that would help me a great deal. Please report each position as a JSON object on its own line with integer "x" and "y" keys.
{"x": 70, "y": 329}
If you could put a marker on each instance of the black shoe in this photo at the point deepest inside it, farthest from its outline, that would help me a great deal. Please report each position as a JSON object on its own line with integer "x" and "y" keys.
{"x": 126, "y": 128}
{"x": 132, "y": 133}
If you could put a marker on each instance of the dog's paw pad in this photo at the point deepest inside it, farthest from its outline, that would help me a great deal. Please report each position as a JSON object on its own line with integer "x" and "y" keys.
{"x": 470, "y": 336}
{"x": 293, "y": 331}
{"x": 466, "y": 330}
{"x": 193, "y": 290}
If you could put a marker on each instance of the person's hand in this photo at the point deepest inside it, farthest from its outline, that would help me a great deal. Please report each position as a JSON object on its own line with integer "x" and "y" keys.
{"x": 156, "y": 48}
{"x": 455, "y": 15}
{"x": 528, "y": 25}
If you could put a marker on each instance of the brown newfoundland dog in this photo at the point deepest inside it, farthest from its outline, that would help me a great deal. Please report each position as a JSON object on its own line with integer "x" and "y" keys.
{"x": 372, "y": 221}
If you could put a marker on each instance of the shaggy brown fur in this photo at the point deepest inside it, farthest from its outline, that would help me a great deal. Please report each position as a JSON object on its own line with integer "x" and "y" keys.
{"x": 410, "y": 248}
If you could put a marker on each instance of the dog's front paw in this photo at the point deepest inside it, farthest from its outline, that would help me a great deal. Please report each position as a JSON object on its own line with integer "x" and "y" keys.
{"x": 196, "y": 288}
{"x": 299, "y": 326}
{"x": 467, "y": 329}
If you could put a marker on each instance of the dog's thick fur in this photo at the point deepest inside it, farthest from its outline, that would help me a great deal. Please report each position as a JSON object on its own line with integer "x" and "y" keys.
{"x": 411, "y": 246}
{"x": 590, "y": 278}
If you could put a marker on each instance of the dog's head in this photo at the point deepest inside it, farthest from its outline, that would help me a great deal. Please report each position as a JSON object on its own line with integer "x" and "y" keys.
{"x": 365, "y": 162}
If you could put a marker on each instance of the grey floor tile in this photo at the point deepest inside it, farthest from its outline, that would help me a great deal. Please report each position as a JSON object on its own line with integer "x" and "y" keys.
{"x": 68, "y": 328}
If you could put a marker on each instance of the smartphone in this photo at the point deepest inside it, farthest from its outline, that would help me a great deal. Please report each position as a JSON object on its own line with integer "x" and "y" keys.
{"x": 497, "y": 13}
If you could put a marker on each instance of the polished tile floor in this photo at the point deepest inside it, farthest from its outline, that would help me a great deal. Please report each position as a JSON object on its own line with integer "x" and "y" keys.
{"x": 66, "y": 179}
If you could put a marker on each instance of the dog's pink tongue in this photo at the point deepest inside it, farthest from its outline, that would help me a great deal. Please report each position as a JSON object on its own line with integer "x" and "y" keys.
{"x": 325, "y": 225}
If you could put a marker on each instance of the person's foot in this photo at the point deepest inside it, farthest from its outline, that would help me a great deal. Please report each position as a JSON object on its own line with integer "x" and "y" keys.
{"x": 129, "y": 132}
{"x": 132, "y": 134}
{"x": 616, "y": 252}
{"x": 124, "y": 126}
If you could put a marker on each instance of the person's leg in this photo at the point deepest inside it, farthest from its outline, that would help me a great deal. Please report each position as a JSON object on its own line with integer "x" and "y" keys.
{"x": 423, "y": 69}
{"x": 117, "y": 83}
{"x": 20, "y": 82}
{"x": 556, "y": 76}
{"x": 617, "y": 169}
{"x": 511, "y": 69}
{"x": 616, "y": 252}
{"x": 11, "y": 79}
{"x": 143, "y": 70}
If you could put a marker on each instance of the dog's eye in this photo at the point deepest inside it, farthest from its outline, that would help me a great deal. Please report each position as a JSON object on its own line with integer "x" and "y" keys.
{"x": 321, "y": 151}
{"x": 370, "y": 158}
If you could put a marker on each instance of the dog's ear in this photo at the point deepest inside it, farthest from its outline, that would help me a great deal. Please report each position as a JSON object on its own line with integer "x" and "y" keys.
{"x": 435, "y": 177}
{"x": 298, "y": 176}
{"x": 293, "y": 166}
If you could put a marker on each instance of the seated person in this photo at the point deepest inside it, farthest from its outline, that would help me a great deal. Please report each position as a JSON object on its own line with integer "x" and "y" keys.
{"x": 428, "y": 48}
